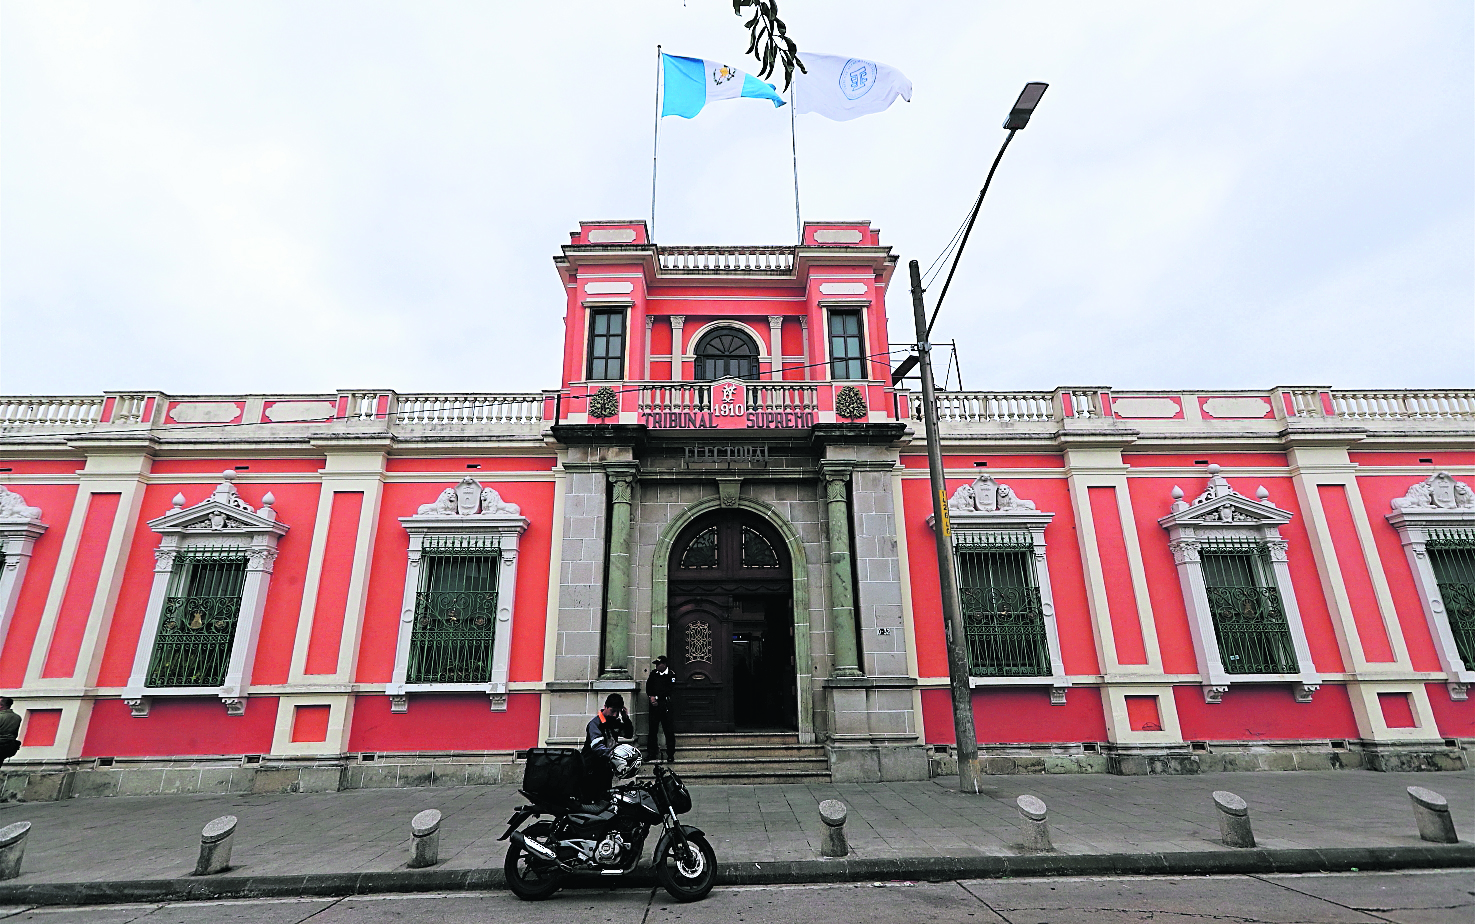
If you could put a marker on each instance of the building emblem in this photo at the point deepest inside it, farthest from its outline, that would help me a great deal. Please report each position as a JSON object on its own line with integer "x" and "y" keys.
{"x": 722, "y": 74}
{"x": 857, "y": 77}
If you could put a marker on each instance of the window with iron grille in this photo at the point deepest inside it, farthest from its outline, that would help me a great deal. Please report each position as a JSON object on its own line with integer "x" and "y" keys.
{"x": 1002, "y": 615}
{"x": 606, "y": 345}
{"x": 455, "y": 615}
{"x": 1452, "y": 558}
{"x": 1249, "y": 621}
{"x": 198, "y": 624}
{"x": 847, "y": 352}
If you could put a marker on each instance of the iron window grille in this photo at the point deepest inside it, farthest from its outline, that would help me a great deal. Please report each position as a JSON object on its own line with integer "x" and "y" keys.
{"x": 757, "y": 551}
{"x": 607, "y": 345}
{"x": 197, "y": 626}
{"x": 847, "y": 351}
{"x": 1003, "y": 619}
{"x": 455, "y": 612}
{"x": 1250, "y": 624}
{"x": 726, "y": 353}
{"x": 1452, "y": 558}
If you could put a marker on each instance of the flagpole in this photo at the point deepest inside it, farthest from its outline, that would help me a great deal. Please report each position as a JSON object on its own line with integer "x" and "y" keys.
{"x": 655, "y": 148}
{"x": 794, "y": 149}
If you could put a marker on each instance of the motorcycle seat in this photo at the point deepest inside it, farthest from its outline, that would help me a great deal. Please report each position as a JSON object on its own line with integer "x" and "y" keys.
{"x": 594, "y": 814}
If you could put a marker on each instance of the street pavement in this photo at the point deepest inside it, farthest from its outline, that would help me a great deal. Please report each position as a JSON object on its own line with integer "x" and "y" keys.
{"x": 157, "y": 837}
{"x": 1423, "y": 897}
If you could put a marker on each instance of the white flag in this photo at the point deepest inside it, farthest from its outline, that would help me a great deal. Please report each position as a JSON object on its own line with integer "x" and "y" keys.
{"x": 842, "y": 88}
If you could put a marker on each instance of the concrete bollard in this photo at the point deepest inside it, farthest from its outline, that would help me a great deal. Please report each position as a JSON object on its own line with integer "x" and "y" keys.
{"x": 1234, "y": 820}
{"x": 1032, "y": 811}
{"x": 832, "y": 813}
{"x": 12, "y": 848}
{"x": 425, "y": 850}
{"x": 1431, "y": 811}
{"x": 215, "y": 841}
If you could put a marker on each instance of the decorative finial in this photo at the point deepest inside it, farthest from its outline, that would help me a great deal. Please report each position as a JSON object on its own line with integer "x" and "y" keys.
{"x": 1177, "y": 493}
{"x": 1213, "y": 469}
{"x": 178, "y": 501}
{"x": 269, "y": 498}
{"x": 1262, "y": 494}
{"x": 229, "y": 474}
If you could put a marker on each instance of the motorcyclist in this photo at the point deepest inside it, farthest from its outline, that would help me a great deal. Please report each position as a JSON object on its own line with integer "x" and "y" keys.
{"x": 601, "y": 736}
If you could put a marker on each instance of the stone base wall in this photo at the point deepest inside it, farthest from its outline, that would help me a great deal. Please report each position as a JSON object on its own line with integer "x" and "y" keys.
{"x": 1227, "y": 757}
{"x": 878, "y": 763}
{"x": 87, "y": 779}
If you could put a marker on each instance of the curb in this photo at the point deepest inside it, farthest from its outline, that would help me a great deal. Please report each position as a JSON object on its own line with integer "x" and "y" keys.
{"x": 940, "y": 869}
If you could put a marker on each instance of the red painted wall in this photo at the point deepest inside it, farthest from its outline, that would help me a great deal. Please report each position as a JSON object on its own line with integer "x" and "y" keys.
{"x": 1121, "y": 597}
{"x": 473, "y": 464}
{"x": 1017, "y": 715}
{"x": 953, "y": 463}
{"x": 1375, "y": 645}
{"x": 445, "y": 722}
{"x": 1455, "y": 720}
{"x": 296, "y": 506}
{"x": 1377, "y": 491}
{"x": 332, "y": 600}
{"x": 1067, "y": 580}
{"x": 387, "y": 575}
{"x": 213, "y": 467}
{"x": 180, "y": 728}
{"x": 76, "y": 604}
{"x": 55, "y": 501}
{"x": 1227, "y": 460}
{"x": 1265, "y": 712}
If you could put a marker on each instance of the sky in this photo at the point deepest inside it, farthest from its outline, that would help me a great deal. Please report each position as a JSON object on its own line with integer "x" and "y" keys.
{"x": 218, "y": 197}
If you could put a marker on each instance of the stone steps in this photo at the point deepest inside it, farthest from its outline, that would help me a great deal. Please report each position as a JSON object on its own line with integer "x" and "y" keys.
{"x": 744, "y": 758}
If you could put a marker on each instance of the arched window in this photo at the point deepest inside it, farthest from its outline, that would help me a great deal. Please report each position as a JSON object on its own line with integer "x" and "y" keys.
{"x": 724, "y": 352}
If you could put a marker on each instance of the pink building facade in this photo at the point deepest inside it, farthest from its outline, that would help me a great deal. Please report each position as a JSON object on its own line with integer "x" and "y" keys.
{"x": 366, "y": 588}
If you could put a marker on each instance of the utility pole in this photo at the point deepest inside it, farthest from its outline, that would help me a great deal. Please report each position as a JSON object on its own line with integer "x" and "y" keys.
{"x": 970, "y": 774}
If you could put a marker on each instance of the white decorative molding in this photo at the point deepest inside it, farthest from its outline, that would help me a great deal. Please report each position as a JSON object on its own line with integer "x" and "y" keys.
{"x": 1220, "y": 514}
{"x": 20, "y": 527}
{"x": 296, "y": 411}
{"x": 1440, "y": 491}
{"x": 609, "y": 288}
{"x": 987, "y": 505}
{"x": 205, "y": 412}
{"x": 837, "y": 236}
{"x": 467, "y": 510}
{"x": 1438, "y": 503}
{"x": 987, "y": 495}
{"x": 1241, "y": 407}
{"x": 842, "y": 288}
{"x": 1145, "y": 407}
{"x": 223, "y": 520}
{"x": 612, "y": 236}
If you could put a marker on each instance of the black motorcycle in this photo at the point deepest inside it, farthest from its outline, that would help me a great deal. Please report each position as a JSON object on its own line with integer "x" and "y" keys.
{"x": 603, "y": 837}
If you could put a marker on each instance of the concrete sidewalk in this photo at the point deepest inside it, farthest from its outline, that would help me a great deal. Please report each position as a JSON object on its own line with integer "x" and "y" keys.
{"x": 355, "y": 841}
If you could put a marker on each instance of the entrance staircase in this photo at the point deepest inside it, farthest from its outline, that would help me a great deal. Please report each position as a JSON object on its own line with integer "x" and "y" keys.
{"x": 749, "y": 758}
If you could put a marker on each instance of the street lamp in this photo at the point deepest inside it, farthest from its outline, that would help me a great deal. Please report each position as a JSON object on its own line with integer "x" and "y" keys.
{"x": 970, "y": 774}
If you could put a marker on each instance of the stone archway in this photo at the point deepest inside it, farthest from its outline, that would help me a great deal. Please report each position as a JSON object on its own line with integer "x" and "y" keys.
{"x": 799, "y": 565}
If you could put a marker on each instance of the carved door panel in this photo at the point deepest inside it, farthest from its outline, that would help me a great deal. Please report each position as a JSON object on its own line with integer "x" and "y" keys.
{"x": 701, "y": 657}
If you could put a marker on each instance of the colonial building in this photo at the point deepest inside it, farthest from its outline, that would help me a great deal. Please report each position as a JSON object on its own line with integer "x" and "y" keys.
{"x": 315, "y": 592}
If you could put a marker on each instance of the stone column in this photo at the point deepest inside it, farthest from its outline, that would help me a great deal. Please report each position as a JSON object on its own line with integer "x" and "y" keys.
{"x": 842, "y": 591}
{"x": 617, "y": 591}
{"x": 678, "y": 323}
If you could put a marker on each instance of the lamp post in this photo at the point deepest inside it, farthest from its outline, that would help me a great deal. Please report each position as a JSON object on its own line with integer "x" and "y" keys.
{"x": 970, "y": 774}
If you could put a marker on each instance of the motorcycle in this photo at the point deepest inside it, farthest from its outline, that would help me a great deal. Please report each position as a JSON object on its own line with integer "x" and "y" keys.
{"x": 605, "y": 838}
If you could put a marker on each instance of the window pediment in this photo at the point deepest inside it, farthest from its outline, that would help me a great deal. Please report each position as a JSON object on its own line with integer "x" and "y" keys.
{"x": 1220, "y": 506}
{"x": 1438, "y": 500}
{"x": 986, "y": 503}
{"x": 467, "y": 506}
{"x": 224, "y": 511}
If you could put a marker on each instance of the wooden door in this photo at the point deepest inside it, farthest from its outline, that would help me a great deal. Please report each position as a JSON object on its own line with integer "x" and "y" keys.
{"x": 701, "y": 657}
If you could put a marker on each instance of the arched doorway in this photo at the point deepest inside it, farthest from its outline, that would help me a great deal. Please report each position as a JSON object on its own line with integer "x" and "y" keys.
{"x": 732, "y": 625}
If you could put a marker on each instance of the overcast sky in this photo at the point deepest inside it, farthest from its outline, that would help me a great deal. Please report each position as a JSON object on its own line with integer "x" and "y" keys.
{"x": 220, "y": 197}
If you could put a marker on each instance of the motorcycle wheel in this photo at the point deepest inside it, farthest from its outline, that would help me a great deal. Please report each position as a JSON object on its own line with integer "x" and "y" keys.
{"x": 530, "y": 878}
{"x": 691, "y": 878}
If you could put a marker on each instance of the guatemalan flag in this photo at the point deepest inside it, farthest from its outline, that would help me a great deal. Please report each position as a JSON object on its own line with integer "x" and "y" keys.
{"x": 691, "y": 83}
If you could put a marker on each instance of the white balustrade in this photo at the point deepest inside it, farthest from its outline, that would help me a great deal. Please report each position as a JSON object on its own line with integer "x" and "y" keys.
{"x": 678, "y": 396}
{"x": 973, "y": 406}
{"x": 49, "y": 412}
{"x": 128, "y": 409}
{"x": 1405, "y": 405}
{"x": 1306, "y": 403}
{"x": 468, "y": 409}
{"x": 728, "y": 259}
